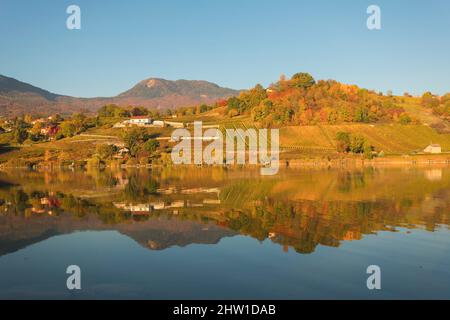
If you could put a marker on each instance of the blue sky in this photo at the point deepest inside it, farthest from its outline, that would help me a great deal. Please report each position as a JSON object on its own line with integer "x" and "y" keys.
{"x": 234, "y": 43}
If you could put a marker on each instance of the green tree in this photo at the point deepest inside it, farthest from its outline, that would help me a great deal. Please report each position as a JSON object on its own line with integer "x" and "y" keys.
{"x": 302, "y": 80}
{"x": 68, "y": 129}
{"x": 368, "y": 150}
{"x": 106, "y": 151}
{"x": 404, "y": 119}
{"x": 139, "y": 111}
{"x": 20, "y": 134}
{"x": 343, "y": 141}
{"x": 233, "y": 103}
{"x": 150, "y": 145}
{"x": 357, "y": 144}
{"x": 429, "y": 100}
{"x": 133, "y": 139}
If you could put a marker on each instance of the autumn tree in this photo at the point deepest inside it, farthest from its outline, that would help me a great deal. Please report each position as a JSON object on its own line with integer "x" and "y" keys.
{"x": 429, "y": 100}
{"x": 343, "y": 141}
{"x": 106, "y": 151}
{"x": 302, "y": 80}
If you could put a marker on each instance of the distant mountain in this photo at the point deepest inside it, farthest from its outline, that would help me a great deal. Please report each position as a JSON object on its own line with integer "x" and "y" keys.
{"x": 17, "y": 97}
{"x": 12, "y": 87}
{"x": 158, "y": 88}
{"x": 17, "y": 232}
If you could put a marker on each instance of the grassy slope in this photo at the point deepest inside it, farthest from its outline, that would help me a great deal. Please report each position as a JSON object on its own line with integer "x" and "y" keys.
{"x": 301, "y": 140}
{"x": 392, "y": 139}
{"x": 413, "y": 108}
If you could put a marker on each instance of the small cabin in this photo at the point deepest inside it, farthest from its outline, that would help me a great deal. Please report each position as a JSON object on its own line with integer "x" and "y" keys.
{"x": 433, "y": 148}
{"x": 159, "y": 123}
{"x": 140, "y": 120}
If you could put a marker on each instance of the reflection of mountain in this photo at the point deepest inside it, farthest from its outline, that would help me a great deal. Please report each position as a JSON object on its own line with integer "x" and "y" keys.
{"x": 301, "y": 210}
{"x": 157, "y": 233}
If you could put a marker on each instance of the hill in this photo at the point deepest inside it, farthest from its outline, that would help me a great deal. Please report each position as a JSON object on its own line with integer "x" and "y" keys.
{"x": 17, "y": 97}
{"x": 304, "y": 101}
{"x": 390, "y": 138}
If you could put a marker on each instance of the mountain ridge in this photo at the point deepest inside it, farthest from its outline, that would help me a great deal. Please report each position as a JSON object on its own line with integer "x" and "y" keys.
{"x": 17, "y": 97}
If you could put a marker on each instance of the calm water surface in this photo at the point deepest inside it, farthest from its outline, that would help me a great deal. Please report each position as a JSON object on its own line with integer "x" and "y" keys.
{"x": 215, "y": 233}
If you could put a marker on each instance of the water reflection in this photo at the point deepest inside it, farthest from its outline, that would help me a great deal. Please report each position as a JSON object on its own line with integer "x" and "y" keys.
{"x": 164, "y": 208}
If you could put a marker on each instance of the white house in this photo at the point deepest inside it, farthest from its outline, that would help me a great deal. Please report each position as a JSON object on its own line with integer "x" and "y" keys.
{"x": 159, "y": 123}
{"x": 433, "y": 148}
{"x": 175, "y": 124}
{"x": 140, "y": 120}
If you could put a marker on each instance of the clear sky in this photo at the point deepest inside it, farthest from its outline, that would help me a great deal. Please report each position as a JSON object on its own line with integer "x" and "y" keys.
{"x": 234, "y": 43}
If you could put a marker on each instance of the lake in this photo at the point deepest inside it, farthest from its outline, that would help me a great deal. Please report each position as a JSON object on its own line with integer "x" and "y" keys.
{"x": 218, "y": 233}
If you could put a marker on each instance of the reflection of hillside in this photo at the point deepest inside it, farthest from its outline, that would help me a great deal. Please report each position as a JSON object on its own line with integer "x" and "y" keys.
{"x": 344, "y": 185}
{"x": 155, "y": 233}
{"x": 298, "y": 209}
{"x": 306, "y": 224}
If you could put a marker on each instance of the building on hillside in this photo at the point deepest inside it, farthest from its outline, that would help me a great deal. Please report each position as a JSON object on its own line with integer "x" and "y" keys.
{"x": 40, "y": 120}
{"x": 120, "y": 125}
{"x": 50, "y": 130}
{"x": 433, "y": 148}
{"x": 158, "y": 123}
{"x": 121, "y": 153}
{"x": 140, "y": 120}
{"x": 175, "y": 124}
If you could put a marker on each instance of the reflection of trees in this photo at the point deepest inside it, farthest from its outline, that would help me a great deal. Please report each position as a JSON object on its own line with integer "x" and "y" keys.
{"x": 138, "y": 189}
{"x": 301, "y": 211}
{"x": 19, "y": 201}
{"x": 305, "y": 224}
{"x": 349, "y": 181}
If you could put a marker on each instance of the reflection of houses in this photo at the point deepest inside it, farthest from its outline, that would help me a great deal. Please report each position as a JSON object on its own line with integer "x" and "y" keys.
{"x": 211, "y": 201}
{"x": 134, "y": 208}
{"x": 47, "y": 205}
{"x": 146, "y": 208}
{"x": 433, "y": 148}
{"x": 158, "y": 205}
{"x": 433, "y": 174}
{"x": 352, "y": 235}
{"x": 201, "y": 190}
{"x": 176, "y": 204}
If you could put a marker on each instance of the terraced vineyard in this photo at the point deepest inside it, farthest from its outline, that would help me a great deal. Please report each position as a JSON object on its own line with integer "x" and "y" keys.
{"x": 392, "y": 139}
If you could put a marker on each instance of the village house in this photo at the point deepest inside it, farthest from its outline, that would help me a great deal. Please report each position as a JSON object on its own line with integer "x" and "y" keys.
{"x": 174, "y": 124}
{"x": 50, "y": 130}
{"x": 158, "y": 123}
{"x": 433, "y": 148}
{"x": 40, "y": 120}
{"x": 139, "y": 120}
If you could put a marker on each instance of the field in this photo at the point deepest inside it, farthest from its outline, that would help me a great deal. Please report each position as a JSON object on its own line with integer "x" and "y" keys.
{"x": 297, "y": 142}
{"x": 392, "y": 139}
